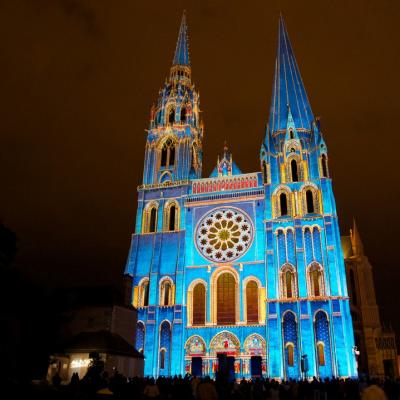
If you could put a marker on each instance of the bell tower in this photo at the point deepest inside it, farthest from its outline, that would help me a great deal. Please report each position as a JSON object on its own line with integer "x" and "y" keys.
{"x": 174, "y": 139}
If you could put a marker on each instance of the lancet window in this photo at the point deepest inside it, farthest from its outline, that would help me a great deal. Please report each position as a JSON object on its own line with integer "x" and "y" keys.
{"x": 289, "y": 328}
{"x": 324, "y": 166}
{"x": 199, "y": 304}
{"x": 316, "y": 280}
{"x": 166, "y": 292}
{"x": 168, "y": 154}
{"x": 252, "y": 302}
{"x": 165, "y": 348}
{"x": 149, "y": 223}
{"x": 226, "y": 299}
{"x": 288, "y": 282}
{"x": 143, "y": 295}
{"x": 171, "y": 217}
{"x": 322, "y": 343}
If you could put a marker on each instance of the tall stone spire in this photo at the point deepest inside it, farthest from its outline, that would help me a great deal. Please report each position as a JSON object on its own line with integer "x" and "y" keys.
{"x": 288, "y": 88}
{"x": 356, "y": 243}
{"x": 182, "y": 46}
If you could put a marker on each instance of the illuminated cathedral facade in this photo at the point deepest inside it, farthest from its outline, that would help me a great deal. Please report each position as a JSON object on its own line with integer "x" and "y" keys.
{"x": 238, "y": 272}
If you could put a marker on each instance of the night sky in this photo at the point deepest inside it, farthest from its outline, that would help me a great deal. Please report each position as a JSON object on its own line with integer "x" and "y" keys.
{"x": 78, "y": 78}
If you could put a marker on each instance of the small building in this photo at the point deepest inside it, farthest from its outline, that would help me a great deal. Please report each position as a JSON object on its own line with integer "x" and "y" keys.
{"x": 376, "y": 344}
{"x": 104, "y": 329}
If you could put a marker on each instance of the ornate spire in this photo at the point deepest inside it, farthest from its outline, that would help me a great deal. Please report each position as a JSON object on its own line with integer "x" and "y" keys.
{"x": 288, "y": 89}
{"x": 182, "y": 46}
{"x": 356, "y": 243}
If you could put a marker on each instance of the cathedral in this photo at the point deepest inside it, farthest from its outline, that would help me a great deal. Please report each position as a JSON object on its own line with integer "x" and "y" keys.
{"x": 239, "y": 273}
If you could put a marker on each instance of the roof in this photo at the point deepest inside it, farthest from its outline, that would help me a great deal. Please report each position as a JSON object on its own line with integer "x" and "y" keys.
{"x": 101, "y": 342}
{"x": 288, "y": 88}
{"x": 181, "y": 56}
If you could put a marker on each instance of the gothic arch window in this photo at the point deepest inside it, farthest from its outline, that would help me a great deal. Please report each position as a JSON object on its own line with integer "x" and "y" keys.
{"x": 183, "y": 114}
{"x": 316, "y": 280}
{"x": 283, "y": 204}
{"x": 291, "y": 134}
{"x": 226, "y": 299}
{"x": 171, "y": 217}
{"x": 324, "y": 166}
{"x": 143, "y": 295}
{"x": 321, "y": 353}
{"x": 288, "y": 282}
{"x": 168, "y": 154}
{"x": 289, "y": 330}
{"x": 166, "y": 292}
{"x": 322, "y": 344}
{"x": 294, "y": 170}
{"x": 140, "y": 336}
{"x": 265, "y": 172}
{"x": 165, "y": 348}
{"x": 149, "y": 223}
{"x": 252, "y": 311}
{"x": 199, "y": 304}
{"x": 310, "y": 201}
{"x": 171, "y": 115}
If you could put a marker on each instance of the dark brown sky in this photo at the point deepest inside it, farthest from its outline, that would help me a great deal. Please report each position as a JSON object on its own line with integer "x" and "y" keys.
{"x": 78, "y": 77}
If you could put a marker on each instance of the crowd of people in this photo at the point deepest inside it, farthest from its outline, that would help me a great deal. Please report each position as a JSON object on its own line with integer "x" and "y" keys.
{"x": 102, "y": 386}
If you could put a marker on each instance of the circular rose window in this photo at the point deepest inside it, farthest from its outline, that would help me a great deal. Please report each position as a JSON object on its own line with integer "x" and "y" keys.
{"x": 224, "y": 234}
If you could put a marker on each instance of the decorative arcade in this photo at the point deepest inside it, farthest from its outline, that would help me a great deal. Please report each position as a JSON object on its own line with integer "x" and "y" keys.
{"x": 240, "y": 273}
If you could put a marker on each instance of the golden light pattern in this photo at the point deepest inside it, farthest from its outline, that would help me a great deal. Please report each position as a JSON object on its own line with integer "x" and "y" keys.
{"x": 224, "y": 234}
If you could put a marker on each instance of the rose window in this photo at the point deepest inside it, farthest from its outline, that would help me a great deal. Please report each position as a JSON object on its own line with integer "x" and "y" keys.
{"x": 224, "y": 234}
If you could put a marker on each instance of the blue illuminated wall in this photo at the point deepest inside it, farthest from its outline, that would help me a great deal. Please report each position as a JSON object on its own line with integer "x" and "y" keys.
{"x": 272, "y": 236}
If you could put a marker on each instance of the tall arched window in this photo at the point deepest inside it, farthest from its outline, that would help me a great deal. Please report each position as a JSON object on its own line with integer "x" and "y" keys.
{"x": 265, "y": 172}
{"x": 324, "y": 165}
{"x": 165, "y": 348}
{"x": 310, "y": 201}
{"x": 199, "y": 305}
{"x": 171, "y": 116}
{"x": 183, "y": 114}
{"x": 316, "y": 280}
{"x": 153, "y": 220}
{"x": 166, "y": 293}
{"x": 171, "y": 217}
{"x": 283, "y": 204}
{"x": 321, "y": 353}
{"x": 168, "y": 154}
{"x": 226, "y": 299}
{"x": 140, "y": 335}
{"x": 289, "y": 328}
{"x": 171, "y": 222}
{"x": 293, "y": 167}
{"x": 322, "y": 344}
{"x": 144, "y": 293}
{"x": 252, "y": 302}
{"x": 291, "y": 134}
{"x": 288, "y": 282}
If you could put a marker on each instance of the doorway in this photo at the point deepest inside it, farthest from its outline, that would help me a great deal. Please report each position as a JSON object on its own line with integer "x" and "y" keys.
{"x": 256, "y": 366}
{"x": 226, "y": 367}
{"x": 197, "y": 366}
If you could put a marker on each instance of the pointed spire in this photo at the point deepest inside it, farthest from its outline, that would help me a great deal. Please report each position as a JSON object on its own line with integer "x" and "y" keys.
{"x": 288, "y": 88}
{"x": 182, "y": 45}
{"x": 356, "y": 243}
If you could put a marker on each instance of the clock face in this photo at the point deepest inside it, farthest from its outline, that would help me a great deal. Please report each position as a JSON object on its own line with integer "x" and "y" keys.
{"x": 224, "y": 234}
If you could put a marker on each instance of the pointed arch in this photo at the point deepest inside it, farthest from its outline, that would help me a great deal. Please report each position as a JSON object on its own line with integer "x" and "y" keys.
{"x": 171, "y": 216}
{"x": 282, "y": 202}
{"x": 311, "y": 199}
{"x": 140, "y": 336}
{"x": 225, "y": 300}
{"x": 164, "y": 358}
{"x": 289, "y": 334}
{"x": 288, "y": 282}
{"x": 324, "y": 166}
{"x": 166, "y": 291}
{"x": 315, "y": 280}
{"x": 149, "y": 220}
{"x": 143, "y": 292}
{"x": 322, "y": 344}
{"x": 251, "y": 296}
{"x": 196, "y": 302}
{"x": 166, "y": 150}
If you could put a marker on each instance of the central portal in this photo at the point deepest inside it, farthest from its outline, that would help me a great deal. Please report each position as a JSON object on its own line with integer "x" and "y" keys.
{"x": 226, "y": 367}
